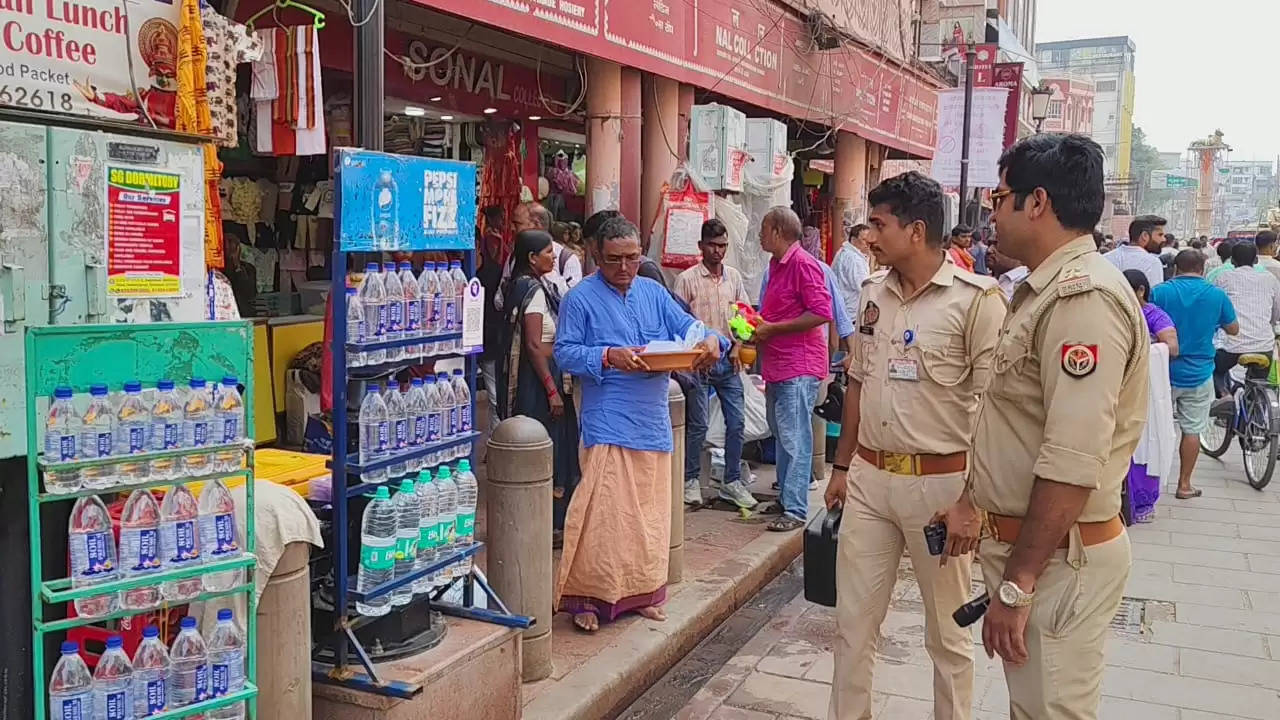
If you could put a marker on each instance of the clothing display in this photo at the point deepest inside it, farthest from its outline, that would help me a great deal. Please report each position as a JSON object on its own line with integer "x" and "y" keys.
{"x": 228, "y": 44}
{"x": 287, "y": 93}
{"x": 193, "y": 116}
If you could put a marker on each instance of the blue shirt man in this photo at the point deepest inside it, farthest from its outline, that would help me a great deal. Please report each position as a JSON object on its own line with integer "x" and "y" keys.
{"x": 1198, "y": 310}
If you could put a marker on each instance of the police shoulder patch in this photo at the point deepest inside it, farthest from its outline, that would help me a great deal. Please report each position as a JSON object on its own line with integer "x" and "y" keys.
{"x": 1079, "y": 360}
{"x": 1074, "y": 281}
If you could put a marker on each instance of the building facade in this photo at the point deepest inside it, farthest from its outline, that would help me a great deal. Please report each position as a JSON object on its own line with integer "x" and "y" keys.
{"x": 1071, "y": 106}
{"x": 1247, "y": 188}
{"x": 1108, "y": 62}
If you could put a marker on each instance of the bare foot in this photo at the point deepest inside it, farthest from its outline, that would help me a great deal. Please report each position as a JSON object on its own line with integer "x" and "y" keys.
{"x": 653, "y": 612}
{"x": 587, "y": 621}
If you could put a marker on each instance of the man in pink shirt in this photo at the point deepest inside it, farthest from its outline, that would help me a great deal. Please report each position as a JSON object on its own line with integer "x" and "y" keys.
{"x": 793, "y": 356}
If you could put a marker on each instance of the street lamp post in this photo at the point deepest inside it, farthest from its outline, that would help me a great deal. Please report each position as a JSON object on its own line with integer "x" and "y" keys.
{"x": 1040, "y": 96}
{"x": 970, "y": 57}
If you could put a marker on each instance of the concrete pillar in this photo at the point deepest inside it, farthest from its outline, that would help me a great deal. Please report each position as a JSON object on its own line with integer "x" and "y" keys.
{"x": 604, "y": 135}
{"x": 819, "y": 458}
{"x": 630, "y": 183}
{"x": 284, "y": 638}
{"x": 849, "y": 182}
{"x": 519, "y": 533}
{"x": 660, "y": 150}
{"x": 675, "y": 563}
{"x": 685, "y": 103}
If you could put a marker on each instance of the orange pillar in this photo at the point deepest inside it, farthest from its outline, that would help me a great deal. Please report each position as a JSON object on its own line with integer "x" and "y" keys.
{"x": 629, "y": 201}
{"x": 686, "y": 110}
{"x": 850, "y": 183}
{"x": 604, "y": 135}
{"x": 660, "y": 150}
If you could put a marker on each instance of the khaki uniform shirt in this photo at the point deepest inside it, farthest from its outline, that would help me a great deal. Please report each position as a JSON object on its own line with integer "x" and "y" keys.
{"x": 923, "y": 360}
{"x": 1068, "y": 394}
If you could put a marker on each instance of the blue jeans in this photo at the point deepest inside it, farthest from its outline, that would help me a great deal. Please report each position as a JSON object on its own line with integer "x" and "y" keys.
{"x": 728, "y": 387}
{"x": 788, "y": 406}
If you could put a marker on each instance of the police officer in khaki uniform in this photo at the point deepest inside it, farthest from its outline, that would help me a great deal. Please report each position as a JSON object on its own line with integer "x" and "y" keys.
{"x": 1055, "y": 434}
{"x": 922, "y": 353}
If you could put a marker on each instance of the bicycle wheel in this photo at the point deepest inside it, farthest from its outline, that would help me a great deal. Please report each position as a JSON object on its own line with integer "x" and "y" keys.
{"x": 1258, "y": 444}
{"x": 1217, "y": 435}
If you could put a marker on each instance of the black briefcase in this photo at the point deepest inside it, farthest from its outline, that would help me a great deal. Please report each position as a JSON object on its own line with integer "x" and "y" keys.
{"x": 820, "y": 537}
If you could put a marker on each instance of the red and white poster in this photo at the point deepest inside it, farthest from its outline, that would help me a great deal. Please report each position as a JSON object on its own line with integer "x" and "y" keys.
{"x": 1009, "y": 75}
{"x": 144, "y": 213}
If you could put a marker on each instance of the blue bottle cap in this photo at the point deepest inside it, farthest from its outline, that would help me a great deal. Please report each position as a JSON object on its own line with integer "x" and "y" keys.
{"x": 455, "y": 264}
{"x": 62, "y": 392}
{"x": 430, "y": 379}
{"x": 416, "y": 382}
{"x": 372, "y": 267}
{"x": 457, "y": 372}
{"x": 351, "y": 291}
{"x": 115, "y": 642}
{"x": 133, "y": 386}
{"x": 230, "y": 381}
{"x": 164, "y": 385}
{"x": 405, "y": 265}
{"x": 443, "y": 376}
{"x": 196, "y": 382}
{"x": 188, "y": 623}
{"x": 428, "y": 266}
{"x": 150, "y": 631}
{"x": 224, "y": 614}
{"x": 371, "y": 389}
{"x": 97, "y": 389}
{"x": 70, "y": 647}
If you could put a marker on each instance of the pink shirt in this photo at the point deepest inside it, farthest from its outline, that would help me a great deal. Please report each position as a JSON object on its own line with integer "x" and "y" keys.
{"x": 796, "y": 286}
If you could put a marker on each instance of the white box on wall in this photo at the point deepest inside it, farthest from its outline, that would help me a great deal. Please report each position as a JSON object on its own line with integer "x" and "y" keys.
{"x": 767, "y": 146}
{"x": 718, "y": 144}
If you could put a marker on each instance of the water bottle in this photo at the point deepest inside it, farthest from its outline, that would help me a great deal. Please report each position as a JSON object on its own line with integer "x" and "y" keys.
{"x": 93, "y": 554}
{"x": 373, "y": 298}
{"x": 71, "y": 687}
{"x": 218, "y": 542}
{"x": 415, "y": 408}
{"x": 386, "y": 213}
{"x": 197, "y": 426}
{"x": 447, "y": 511}
{"x": 412, "y": 327}
{"x": 113, "y": 683}
{"x": 188, "y": 667}
{"x": 62, "y": 429}
{"x": 467, "y": 495}
{"x": 133, "y": 420}
{"x": 357, "y": 329}
{"x": 378, "y": 533}
{"x": 408, "y": 526}
{"x": 429, "y": 292}
{"x": 225, "y": 645}
{"x": 230, "y": 428}
{"x": 375, "y": 432}
{"x": 97, "y": 438}
{"x": 166, "y": 429}
{"x": 180, "y": 542}
{"x": 437, "y": 419}
{"x": 140, "y": 548}
{"x": 150, "y": 675}
{"x": 398, "y": 425}
{"x": 395, "y": 309}
{"x": 462, "y": 399}
{"x": 449, "y": 403}
{"x": 456, "y": 285}
{"x": 428, "y": 531}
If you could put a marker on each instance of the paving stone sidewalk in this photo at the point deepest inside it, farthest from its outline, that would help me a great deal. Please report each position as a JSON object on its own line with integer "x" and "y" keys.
{"x": 1198, "y": 637}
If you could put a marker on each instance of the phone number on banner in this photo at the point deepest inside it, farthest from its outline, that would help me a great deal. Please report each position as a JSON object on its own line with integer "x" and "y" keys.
{"x": 19, "y": 96}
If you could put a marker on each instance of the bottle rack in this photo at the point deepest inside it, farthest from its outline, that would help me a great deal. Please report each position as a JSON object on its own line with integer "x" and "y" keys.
{"x": 81, "y": 355}
{"x": 357, "y": 174}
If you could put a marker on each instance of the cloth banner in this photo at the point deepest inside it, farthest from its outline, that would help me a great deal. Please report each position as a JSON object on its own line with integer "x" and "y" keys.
{"x": 986, "y": 136}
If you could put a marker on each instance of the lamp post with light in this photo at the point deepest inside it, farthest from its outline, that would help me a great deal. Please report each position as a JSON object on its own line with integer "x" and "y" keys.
{"x": 1040, "y": 96}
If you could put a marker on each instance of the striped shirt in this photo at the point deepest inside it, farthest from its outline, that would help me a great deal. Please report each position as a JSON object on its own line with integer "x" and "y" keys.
{"x": 1256, "y": 298}
{"x": 1132, "y": 257}
{"x": 711, "y": 297}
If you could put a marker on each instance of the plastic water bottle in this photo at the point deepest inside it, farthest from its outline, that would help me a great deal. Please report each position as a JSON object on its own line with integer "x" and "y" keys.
{"x": 447, "y": 511}
{"x": 462, "y": 399}
{"x": 375, "y": 432}
{"x": 415, "y": 406}
{"x": 140, "y": 548}
{"x": 395, "y": 309}
{"x": 229, "y": 415}
{"x": 113, "y": 683}
{"x": 449, "y": 404}
{"x": 218, "y": 542}
{"x": 71, "y": 687}
{"x": 398, "y": 425}
{"x": 97, "y": 438}
{"x": 408, "y": 526}
{"x": 373, "y": 298}
{"x": 133, "y": 420}
{"x": 93, "y": 554}
{"x": 429, "y": 291}
{"x": 457, "y": 285}
{"x": 412, "y": 308}
{"x": 386, "y": 212}
{"x": 225, "y": 644}
{"x": 378, "y": 533}
{"x": 197, "y": 426}
{"x": 166, "y": 429}
{"x": 437, "y": 419}
{"x": 150, "y": 675}
{"x": 467, "y": 495}
{"x": 62, "y": 429}
{"x": 180, "y": 542}
{"x": 357, "y": 329}
{"x": 428, "y": 530}
{"x": 188, "y": 667}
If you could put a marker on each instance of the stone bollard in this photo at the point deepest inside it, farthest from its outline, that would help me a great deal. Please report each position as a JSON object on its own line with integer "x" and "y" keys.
{"x": 675, "y": 561}
{"x": 519, "y": 472}
{"x": 284, "y": 637}
{"x": 819, "y": 459}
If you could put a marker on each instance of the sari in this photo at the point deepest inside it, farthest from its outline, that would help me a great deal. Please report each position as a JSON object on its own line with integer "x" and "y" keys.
{"x": 1153, "y": 457}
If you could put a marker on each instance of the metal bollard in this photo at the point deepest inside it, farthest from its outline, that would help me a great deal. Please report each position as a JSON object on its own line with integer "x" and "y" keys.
{"x": 519, "y": 532}
{"x": 675, "y": 557}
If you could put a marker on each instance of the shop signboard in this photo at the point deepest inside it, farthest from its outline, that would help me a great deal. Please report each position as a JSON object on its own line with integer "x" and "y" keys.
{"x": 144, "y": 253}
{"x": 403, "y": 202}
{"x": 1009, "y": 75}
{"x": 76, "y": 57}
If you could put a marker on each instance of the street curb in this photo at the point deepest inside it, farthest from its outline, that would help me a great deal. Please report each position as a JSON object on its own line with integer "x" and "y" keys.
{"x": 646, "y": 651}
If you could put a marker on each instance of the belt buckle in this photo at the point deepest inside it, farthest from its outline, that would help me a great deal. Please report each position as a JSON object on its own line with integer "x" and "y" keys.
{"x": 899, "y": 463}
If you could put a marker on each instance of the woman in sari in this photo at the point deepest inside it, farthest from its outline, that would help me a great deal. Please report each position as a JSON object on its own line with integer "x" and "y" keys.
{"x": 529, "y": 382}
{"x": 1153, "y": 458}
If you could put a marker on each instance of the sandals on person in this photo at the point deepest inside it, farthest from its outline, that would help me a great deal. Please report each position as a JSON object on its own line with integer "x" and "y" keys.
{"x": 785, "y": 523}
{"x": 1195, "y": 493}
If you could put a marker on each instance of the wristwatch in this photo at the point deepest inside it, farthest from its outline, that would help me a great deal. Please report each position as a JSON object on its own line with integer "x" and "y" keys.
{"x": 1013, "y": 596}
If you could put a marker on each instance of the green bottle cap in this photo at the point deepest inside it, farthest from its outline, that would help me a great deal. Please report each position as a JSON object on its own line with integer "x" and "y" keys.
{"x": 443, "y": 474}
{"x": 464, "y": 466}
{"x": 424, "y": 476}
{"x": 382, "y": 493}
{"x": 406, "y": 486}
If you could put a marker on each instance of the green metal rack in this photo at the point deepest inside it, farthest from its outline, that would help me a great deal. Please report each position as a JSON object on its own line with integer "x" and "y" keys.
{"x": 79, "y": 356}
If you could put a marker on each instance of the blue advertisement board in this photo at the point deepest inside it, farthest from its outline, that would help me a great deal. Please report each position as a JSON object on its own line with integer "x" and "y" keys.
{"x": 401, "y": 202}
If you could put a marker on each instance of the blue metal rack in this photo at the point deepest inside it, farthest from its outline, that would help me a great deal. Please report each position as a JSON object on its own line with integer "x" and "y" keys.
{"x": 357, "y": 178}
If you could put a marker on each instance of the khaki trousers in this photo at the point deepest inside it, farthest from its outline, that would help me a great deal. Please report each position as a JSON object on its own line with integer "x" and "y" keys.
{"x": 1076, "y": 597}
{"x": 883, "y": 514}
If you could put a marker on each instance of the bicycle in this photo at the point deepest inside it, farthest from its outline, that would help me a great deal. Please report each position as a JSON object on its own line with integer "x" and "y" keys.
{"x": 1254, "y": 420}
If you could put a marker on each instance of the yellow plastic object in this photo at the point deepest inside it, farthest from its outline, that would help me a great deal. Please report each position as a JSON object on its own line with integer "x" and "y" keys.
{"x": 264, "y": 402}
{"x": 294, "y": 470}
{"x": 288, "y": 337}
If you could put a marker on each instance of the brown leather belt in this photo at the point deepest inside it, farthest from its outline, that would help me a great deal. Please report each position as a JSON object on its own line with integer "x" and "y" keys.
{"x": 1005, "y": 529}
{"x": 907, "y": 464}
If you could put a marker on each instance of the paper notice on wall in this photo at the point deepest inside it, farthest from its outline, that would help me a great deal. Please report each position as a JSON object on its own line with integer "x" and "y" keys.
{"x": 684, "y": 230}
{"x": 473, "y": 315}
{"x": 986, "y": 137}
{"x": 144, "y": 215}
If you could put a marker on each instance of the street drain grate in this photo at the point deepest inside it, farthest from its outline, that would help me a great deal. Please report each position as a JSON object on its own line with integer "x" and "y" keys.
{"x": 1136, "y": 614}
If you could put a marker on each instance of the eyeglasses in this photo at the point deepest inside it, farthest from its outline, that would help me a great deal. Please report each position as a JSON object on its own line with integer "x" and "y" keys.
{"x": 633, "y": 261}
{"x": 998, "y": 197}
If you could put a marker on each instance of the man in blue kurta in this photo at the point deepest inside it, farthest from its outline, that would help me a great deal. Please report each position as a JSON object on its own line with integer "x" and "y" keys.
{"x": 616, "y": 531}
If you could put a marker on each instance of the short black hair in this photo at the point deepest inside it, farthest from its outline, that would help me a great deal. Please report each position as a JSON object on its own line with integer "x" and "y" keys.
{"x": 714, "y": 228}
{"x": 858, "y": 229}
{"x": 1244, "y": 254}
{"x": 1265, "y": 238}
{"x": 1189, "y": 261}
{"x": 1068, "y": 167}
{"x": 593, "y": 223}
{"x": 1097, "y": 239}
{"x": 614, "y": 228}
{"x": 912, "y": 196}
{"x": 1224, "y": 250}
{"x": 1138, "y": 281}
{"x": 493, "y": 214}
{"x": 1144, "y": 224}
{"x": 959, "y": 230}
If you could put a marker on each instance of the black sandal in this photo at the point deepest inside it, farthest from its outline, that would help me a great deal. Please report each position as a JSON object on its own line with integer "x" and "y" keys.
{"x": 1195, "y": 493}
{"x": 785, "y": 523}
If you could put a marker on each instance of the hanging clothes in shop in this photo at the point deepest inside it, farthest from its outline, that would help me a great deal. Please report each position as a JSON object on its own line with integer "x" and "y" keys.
{"x": 229, "y": 44}
{"x": 193, "y": 116}
{"x": 287, "y": 93}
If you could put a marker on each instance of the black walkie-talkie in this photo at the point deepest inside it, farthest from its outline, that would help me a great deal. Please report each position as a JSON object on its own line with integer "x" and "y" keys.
{"x": 970, "y": 612}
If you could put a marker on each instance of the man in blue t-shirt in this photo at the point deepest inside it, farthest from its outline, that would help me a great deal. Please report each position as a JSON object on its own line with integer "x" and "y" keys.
{"x": 1198, "y": 311}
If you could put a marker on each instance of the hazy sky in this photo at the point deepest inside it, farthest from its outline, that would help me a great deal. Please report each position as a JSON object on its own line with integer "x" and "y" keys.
{"x": 1199, "y": 65}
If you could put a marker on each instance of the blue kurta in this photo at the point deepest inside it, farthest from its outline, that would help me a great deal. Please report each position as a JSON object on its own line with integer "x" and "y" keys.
{"x": 627, "y": 409}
